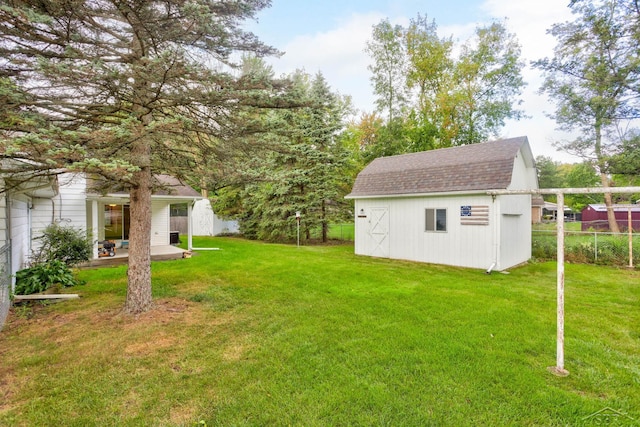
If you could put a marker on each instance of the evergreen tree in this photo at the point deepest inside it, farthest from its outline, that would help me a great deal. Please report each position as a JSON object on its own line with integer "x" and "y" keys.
{"x": 304, "y": 171}
{"x": 127, "y": 89}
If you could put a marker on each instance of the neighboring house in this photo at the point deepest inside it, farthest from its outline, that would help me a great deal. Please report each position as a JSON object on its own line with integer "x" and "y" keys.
{"x": 594, "y": 217}
{"x": 69, "y": 200}
{"x": 435, "y": 206}
{"x": 550, "y": 212}
{"x": 537, "y": 205}
{"x": 204, "y": 221}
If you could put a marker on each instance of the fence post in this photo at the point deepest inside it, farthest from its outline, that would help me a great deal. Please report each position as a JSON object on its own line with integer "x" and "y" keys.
{"x": 595, "y": 246}
{"x": 559, "y": 368}
{"x": 630, "y": 230}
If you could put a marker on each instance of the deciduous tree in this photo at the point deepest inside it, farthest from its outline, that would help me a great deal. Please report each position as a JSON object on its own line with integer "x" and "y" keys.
{"x": 451, "y": 100}
{"x": 593, "y": 78}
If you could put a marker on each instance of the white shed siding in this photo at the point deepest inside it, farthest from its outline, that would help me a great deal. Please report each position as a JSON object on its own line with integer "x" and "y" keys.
{"x": 159, "y": 223}
{"x": 515, "y": 230}
{"x": 523, "y": 176}
{"x": 461, "y": 245}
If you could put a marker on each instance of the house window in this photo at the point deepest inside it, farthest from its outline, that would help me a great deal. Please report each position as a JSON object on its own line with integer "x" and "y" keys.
{"x": 435, "y": 220}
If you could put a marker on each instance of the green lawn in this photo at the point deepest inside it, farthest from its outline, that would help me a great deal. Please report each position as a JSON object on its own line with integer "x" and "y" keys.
{"x": 344, "y": 231}
{"x": 260, "y": 334}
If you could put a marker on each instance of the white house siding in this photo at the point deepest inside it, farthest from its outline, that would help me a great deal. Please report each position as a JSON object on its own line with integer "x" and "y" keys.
{"x": 461, "y": 245}
{"x": 19, "y": 231}
{"x": 159, "y": 223}
{"x": 4, "y": 232}
{"x": 72, "y": 208}
{"x": 67, "y": 208}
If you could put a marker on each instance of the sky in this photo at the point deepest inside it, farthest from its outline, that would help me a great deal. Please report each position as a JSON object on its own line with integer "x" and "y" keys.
{"x": 329, "y": 36}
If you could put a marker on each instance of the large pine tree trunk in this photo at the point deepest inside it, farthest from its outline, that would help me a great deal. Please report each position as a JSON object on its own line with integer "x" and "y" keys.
{"x": 139, "y": 273}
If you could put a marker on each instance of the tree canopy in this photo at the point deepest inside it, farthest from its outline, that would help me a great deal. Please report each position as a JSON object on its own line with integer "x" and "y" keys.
{"x": 593, "y": 78}
{"x": 435, "y": 94}
{"x": 305, "y": 169}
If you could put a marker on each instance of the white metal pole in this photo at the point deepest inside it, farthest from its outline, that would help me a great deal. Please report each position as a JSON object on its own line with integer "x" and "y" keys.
{"x": 298, "y": 225}
{"x": 630, "y": 230}
{"x": 559, "y": 368}
{"x": 560, "y": 192}
{"x": 189, "y": 225}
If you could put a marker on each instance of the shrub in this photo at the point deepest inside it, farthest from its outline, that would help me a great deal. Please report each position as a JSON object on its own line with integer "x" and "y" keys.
{"x": 67, "y": 244}
{"x": 42, "y": 276}
{"x": 543, "y": 248}
{"x": 580, "y": 253}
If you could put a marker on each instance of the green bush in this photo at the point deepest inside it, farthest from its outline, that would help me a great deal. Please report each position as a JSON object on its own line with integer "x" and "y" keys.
{"x": 41, "y": 277}
{"x": 544, "y": 248}
{"x": 580, "y": 253}
{"x": 67, "y": 244}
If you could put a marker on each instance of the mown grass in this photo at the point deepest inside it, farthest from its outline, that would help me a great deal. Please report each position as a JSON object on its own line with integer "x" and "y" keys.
{"x": 260, "y": 334}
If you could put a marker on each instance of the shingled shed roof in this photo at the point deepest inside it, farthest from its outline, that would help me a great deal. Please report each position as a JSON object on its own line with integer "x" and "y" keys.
{"x": 485, "y": 166}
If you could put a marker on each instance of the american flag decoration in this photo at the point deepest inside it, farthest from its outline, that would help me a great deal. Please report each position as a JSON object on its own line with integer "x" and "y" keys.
{"x": 474, "y": 215}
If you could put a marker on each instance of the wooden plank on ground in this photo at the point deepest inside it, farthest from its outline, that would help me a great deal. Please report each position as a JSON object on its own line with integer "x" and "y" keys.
{"x": 44, "y": 296}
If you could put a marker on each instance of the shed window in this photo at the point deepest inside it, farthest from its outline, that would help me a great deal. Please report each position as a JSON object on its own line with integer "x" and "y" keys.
{"x": 435, "y": 220}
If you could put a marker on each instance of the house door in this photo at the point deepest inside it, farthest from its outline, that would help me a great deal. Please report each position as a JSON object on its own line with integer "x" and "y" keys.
{"x": 116, "y": 222}
{"x": 379, "y": 232}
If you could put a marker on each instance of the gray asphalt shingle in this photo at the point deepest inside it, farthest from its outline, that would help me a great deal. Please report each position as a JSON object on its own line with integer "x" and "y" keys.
{"x": 485, "y": 166}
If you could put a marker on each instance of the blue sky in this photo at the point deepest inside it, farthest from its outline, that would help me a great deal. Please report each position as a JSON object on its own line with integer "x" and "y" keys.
{"x": 330, "y": 36}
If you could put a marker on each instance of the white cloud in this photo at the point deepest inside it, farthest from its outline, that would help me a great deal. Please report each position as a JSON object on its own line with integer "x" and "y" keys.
{"x": 530, "y": 22}
{"x": 339, "y": 54}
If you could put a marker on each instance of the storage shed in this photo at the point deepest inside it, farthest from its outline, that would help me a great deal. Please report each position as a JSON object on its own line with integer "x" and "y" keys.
{"x": 594, "y": 217}
{"x": 436, "y": 207}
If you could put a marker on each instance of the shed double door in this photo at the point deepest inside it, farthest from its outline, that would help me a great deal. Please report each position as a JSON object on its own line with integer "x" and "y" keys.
{"x": 379, "y": 232}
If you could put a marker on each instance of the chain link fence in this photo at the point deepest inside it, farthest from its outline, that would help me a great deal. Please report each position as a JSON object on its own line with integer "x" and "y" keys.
{"x": 5, "y": 283}
{"x": 588, "y": 247}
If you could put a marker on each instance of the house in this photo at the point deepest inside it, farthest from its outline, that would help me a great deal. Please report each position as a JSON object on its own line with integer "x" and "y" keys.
{"x": 550, "y": 212}
{"x": 437, "y": 207}
{"x": 70, "y": 199}
{"x": 204, "y": 221}
{"x": 16, "y": 217}
{"x": 537, "y": 206}
{"x": 594, "y": 217}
